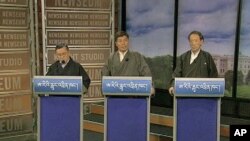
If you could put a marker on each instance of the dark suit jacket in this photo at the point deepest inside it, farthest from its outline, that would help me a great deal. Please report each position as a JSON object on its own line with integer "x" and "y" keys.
{"x": 72, "y": 68}
{"x": 202, "y": 67}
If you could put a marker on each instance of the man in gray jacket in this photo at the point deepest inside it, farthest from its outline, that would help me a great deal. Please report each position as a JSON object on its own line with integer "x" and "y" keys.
{"x": 124, "y": 62}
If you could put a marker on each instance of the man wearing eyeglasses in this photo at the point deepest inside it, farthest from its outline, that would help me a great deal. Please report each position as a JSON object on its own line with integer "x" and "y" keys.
{"x": 66, "y": 66}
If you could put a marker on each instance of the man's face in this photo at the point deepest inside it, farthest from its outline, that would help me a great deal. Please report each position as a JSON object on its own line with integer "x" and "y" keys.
{"x": 122, "y": 43}
{"x": 62, "y": 54}
{"x": 195, "y": 42}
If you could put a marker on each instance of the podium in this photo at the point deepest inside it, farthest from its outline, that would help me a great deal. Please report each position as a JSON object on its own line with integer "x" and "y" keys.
{"x": 60, "y": 107}
{"x": 197, "y": 104}
{"x": 127, "y": 108}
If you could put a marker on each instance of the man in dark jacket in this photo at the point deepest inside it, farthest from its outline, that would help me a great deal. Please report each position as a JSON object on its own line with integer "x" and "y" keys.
{"x": 66, "y": 66}
{"x": 194, "y": 63}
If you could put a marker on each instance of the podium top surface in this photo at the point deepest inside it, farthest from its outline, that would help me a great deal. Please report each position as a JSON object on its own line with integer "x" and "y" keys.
{"x": 199, "y": 87}
{"x": 58, "y": 85}
{"x": 126, "y": 86}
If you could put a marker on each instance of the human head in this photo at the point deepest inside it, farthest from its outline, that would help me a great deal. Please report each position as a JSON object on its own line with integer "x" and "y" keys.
{"x": 62, "y": 52}
{"x": 121, "y": 41}
{"x": 196, "y": 40}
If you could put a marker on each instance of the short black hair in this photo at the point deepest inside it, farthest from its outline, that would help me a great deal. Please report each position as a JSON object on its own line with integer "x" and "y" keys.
{"x": 61, "y": 45}
{"x": 197, "y": 33}
{"x": 120, "y": 34}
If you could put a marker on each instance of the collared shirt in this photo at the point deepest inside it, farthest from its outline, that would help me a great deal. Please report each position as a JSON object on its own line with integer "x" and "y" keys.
{"x": 121, "y": 55}
{"x": 194, "y": 56}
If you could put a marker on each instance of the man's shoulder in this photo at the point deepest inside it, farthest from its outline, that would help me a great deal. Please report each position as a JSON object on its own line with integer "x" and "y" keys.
{"x": 207, "y": 54}
{"x": 135, "y": 53}
{"x": 114, "y": 53}
{"x": 111, "y": 56}
{"x": 185, "y": 54}
{"x": 54, "y": 64}
{"x": 189, "y": 53}
{"x": 74, "y": 62}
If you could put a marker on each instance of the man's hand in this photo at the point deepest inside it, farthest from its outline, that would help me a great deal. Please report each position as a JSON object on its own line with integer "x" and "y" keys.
{"x": 171, "y": 91}
{"x": 152, "y": 92}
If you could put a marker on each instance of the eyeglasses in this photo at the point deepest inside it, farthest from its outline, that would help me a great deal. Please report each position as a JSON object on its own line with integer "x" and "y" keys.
{"x": 62, "y": 54}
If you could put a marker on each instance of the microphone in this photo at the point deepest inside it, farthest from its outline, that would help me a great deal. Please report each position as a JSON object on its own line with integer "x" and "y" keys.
{"x": 63, "y": 62}
{"x": 126, "y": 59}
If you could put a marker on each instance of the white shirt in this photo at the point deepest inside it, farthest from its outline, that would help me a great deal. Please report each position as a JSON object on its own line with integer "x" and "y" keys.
{"x": 194, "y": 56}
{"x": 121, "y": 55}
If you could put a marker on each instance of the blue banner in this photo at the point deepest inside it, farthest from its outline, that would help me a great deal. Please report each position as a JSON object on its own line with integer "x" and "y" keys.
{"x": 199, "y": 87}
{"x": 139, "y": 86}
{"x": 58, "y": 85}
